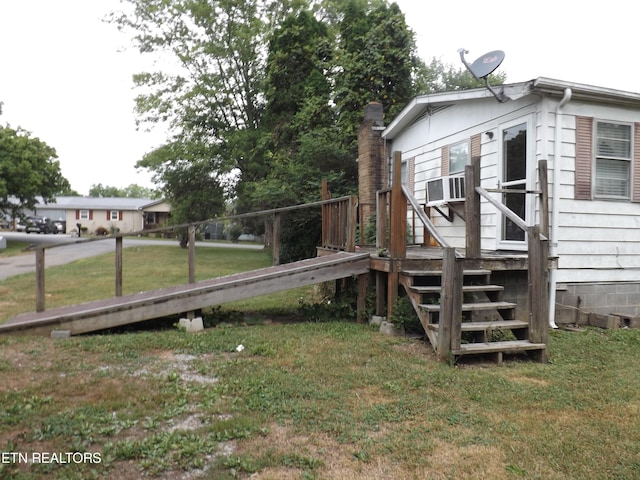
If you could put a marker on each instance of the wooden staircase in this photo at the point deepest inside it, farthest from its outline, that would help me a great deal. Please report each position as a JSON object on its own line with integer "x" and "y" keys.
{"x": 488, "y": 324}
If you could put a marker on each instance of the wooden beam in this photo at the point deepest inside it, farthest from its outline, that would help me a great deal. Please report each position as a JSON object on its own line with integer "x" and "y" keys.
{"x": 40, "y": 280}
{"x": 450, "y": 305}
{"x": 398, "y": 221}
{"x": 192, "y": 254}
{"x": 119, "y": 265}
{"x": 472, "y": 208}
{"x": 361, "y": 305}
{"x": 543, "y": 177}
{"x": 538, "y": 276}
{"x": 276, "y": 239}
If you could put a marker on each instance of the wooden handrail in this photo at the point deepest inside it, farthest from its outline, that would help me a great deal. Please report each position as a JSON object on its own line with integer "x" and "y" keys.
{"x": 510, "y": 214}
{"x": 423, "y": 218}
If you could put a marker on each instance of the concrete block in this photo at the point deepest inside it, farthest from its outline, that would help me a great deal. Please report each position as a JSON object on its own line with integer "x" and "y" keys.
{"x": 604, "y": 321}
{"x": 392, "y": 330}
{"x": 60, "y": 334}
{"x": 191, "y": 326}
{"x": 376, "y": 320}
{"x": 3, "y": 243}
{"x": 629, "y": 321}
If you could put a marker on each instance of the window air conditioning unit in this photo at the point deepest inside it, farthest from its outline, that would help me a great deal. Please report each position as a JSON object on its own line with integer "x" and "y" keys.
{"x": 447, "y": 189}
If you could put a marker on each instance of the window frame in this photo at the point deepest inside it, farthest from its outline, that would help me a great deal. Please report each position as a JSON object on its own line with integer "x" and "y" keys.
{"x": 84, "y": 214}
{"x": 465, "y": 143}
{"x": 112, "y": 217}
{"x": 597, "y": 156}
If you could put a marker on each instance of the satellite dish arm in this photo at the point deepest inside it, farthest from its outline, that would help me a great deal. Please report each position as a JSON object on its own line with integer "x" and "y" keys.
{"x": 499, "y": 95}
{"x": 462, "y": 51}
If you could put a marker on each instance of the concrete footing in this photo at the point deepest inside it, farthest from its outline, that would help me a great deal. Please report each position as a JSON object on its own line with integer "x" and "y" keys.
{"x": 191, "y": 326}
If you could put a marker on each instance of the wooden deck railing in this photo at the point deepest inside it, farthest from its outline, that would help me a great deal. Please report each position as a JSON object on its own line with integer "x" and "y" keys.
{"x": 393, "y": 205}
{"x": 340, "y": 235}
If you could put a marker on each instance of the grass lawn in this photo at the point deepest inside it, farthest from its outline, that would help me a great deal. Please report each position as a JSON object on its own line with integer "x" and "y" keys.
{"x": 310, "y": 400}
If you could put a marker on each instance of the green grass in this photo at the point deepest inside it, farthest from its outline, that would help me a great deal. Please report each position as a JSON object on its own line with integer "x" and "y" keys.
{"x": 319, "y": 400}
{"x": 13, "y": 248}
{"x": 145, "y": 268}
{"x": 306, "y": 400}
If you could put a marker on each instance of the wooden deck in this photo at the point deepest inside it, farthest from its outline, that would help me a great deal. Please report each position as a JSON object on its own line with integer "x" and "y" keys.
{"x": 430, "y": 258}
{"x": 117, "y": 311}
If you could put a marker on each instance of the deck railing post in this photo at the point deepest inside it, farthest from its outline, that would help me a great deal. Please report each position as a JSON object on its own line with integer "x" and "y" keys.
{"x": 192, "y": 254}
{"x": 40, "y": 279}
{"x": 276, "y": 238}
{"x": 118, "y": 278}
{"x": 538, "y": 289}
{"x": 352, "y": 220}
{"x": 398, "y": 212}
{"x": 543, "y": 177}
{"x": 472, "y": 208}
{"x": 449, "y": 329}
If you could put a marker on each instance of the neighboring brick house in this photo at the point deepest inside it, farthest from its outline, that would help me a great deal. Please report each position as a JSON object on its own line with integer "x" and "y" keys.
{"x": 121, "y": 213}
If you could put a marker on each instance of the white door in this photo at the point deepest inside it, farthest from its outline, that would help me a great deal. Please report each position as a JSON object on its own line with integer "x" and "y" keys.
{"x": 515, "y": 150}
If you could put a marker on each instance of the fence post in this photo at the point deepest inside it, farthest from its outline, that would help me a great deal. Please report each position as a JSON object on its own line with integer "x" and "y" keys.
{"x": 40, "y": 279}
{"x": 472, "y": 208}
{"x": 118, "y": 266}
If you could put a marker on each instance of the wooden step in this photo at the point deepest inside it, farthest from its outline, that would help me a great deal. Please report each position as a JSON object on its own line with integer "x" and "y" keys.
{"x": 512, "y": 346}
{"x": 472, "y": 307}
{"x": 437, "y": 273}
{"x": 482, "y": 326}
{"x": 465, "y": 288}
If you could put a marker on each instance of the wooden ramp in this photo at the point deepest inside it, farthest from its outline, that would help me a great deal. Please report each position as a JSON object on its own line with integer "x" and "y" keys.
{"x": 116, "y": 311}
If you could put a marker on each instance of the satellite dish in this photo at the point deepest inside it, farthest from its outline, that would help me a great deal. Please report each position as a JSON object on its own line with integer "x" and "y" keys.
{"x": 487, "y": 63}
{"x": 485, "y": 66}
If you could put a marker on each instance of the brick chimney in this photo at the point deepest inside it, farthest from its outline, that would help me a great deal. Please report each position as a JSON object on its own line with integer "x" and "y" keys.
{"x": 373, "y": 174}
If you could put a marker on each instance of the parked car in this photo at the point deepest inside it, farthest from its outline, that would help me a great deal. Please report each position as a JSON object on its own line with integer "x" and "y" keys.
{"x": 41, "y": 225}
{"x": 61, "y": 225}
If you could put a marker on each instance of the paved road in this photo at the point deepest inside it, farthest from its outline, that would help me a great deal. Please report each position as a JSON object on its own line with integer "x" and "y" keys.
{"x": 72, "y": 248}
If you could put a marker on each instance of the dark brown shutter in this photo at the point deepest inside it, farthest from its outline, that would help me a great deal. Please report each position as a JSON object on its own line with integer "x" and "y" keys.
{"x": 120, "y": 215}
{"x": 108, "y": 215}
{"x": 584, "y": 158}
{"x": 90, "y": 214}
{"x": 445, "y": 161}
{"x": 77, "y": 214}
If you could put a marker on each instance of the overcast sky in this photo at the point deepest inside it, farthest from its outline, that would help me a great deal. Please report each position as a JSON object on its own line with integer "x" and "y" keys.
{"x": 65, "y": 78}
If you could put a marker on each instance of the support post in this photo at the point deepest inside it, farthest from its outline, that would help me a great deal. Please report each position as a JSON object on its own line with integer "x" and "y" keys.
{"x": 352, "y": 218}
{"x": 40, "y": 279}
{"x": 276, "y": 238}
{"x": 381, "y": 220}
{"x": 472, "y": 208}
{"x": 192, "y": 254}
{"x": 118, "y": 266}
{"x": 326, "y": 214}
{"x": 543, "y": 178}
{"x": 451, "y": 305}
{"x": 538, "y": 277}
{"x": 363, "y": 283}
{"x": 398, "y": 221}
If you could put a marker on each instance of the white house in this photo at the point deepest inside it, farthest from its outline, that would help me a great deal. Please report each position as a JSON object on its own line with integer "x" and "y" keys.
{"x": 594, "y": 178}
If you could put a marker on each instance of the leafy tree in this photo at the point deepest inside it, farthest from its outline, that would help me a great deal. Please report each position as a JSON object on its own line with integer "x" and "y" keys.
{"x": 440, "y": 77}
{"x": 28, "y": 169}
{"x": 189, "y": 180}
{"x": 132, "y": 191}
{"x": 378, "y": 62}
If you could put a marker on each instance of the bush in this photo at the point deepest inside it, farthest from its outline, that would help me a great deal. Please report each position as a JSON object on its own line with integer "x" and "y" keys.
{"x": 101, "y": 232}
